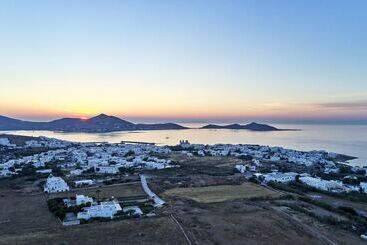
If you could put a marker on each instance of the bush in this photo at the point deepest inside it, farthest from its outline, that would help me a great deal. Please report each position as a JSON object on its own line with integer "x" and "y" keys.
{"x": 125, "y": 170}
{"x": 321, "y": 204}
{"x": 246, "y": 157}
{"x": 57, "y": 207}
{"x": 253, "y": 180}
{"x": 285, "y": 187}
{"x": 28, "y": 170}
{"x": 348, "y": 210}
{"x": 146, "y": 208}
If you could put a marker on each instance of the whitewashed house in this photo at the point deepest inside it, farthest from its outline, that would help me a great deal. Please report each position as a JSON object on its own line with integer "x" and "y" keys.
{"x": 79, "y": 183}
{"x": 81, "y": 199}
{"x": 102, "y": 210}
{"x": 363, "y": 185}
{"x": 5, "y": 173}
{"x": 240, "y": 168}
{"x": 44, "y": 171}
{"x": 134, "y": 210}
{"x": 106, "y": 169}
{"x": 6, "y": 142}
{"x": 55, "y": 184}
{"x": 76, "y": 172}
{"x": 327, "y": 185}
{"x": 280, "y": 177}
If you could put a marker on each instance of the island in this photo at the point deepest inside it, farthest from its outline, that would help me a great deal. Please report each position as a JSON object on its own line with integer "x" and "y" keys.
{"x": 104, "y": 123}
{"x": 99, "y": 124}
{"x": 251, "y": 126}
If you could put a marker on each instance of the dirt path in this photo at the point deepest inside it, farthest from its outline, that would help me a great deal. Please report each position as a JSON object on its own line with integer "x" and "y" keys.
{"x": 181, "y": 228}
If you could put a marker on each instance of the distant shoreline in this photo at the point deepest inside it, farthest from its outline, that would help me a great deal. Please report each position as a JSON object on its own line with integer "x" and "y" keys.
{"x": 107, "y": 124}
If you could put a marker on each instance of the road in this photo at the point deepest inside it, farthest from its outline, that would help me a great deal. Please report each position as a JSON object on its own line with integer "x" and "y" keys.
{"x": 157, "y": 200}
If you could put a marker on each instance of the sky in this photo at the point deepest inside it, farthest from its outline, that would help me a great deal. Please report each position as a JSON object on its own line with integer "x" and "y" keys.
{"x": 192, "y": 61}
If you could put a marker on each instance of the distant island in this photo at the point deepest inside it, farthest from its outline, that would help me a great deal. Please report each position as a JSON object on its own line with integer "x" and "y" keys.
{"x": 251, "y": 126}
{"x": 101, "y": 123}
{"x": 104, "y": 123}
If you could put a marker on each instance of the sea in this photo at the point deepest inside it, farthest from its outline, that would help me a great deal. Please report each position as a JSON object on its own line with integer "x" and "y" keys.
{"x": 344, "y": 139}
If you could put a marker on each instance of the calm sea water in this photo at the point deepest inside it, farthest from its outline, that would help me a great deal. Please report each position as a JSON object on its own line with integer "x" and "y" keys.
{"x": 345, "y": 139}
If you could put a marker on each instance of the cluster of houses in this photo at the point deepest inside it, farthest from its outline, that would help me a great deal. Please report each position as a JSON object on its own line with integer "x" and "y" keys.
{"x": 76, "y": 158}
{"x": 264, "y": 153}
{"x": 92, "y": 209}
{"x": 259, "y": 154}
{"x": 47, "y": 143}
{"x": 332, "y": 185}
{"x": 6, "y": 142}
{"x": 305, "y": 178}
{"x": 14, "y": 166}
{"x": 36, "y": 143}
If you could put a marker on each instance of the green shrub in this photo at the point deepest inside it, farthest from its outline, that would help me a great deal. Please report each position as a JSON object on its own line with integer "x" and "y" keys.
{"x": 348, "y": 210}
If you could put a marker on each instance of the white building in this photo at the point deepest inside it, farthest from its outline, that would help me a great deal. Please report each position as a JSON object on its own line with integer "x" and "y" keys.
{"x": 44, "y": 171}
{"x": 363, "y": 185}
{"x": 81, "y": 199}
{"x": 240, "y": 168}
{"x": 83, "y": 182}
{"x": 55, "y": 184}
{"x": 185, "y": 143}
{"x": 102, "y": 210}
{"x": 280, "y": 177}
{"x": 6, "y": 142}
{"x": 106, "y": 170}
{"x": 244, "y": 168}
{"x": 76, "y": 172}
{"x": 134, "y": 210}
{"x": 5, "y": 173}
{"x": 327, "y": 185}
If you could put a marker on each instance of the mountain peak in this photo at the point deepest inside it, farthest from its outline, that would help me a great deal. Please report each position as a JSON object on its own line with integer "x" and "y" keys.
{"x": 100, "y": 123}
{"x": 102, "y": 115}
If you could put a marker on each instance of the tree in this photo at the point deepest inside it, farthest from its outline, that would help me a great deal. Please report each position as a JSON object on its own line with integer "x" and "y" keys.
{"x": 98, "y": 191}
{"x": 297, "y": 178}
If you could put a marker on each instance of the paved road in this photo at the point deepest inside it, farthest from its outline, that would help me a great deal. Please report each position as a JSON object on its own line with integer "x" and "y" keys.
{"x": 157, "y": 200}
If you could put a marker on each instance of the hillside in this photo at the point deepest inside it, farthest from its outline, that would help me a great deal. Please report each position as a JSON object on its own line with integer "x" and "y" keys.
{"x": 251, "y": 126}
{"x": 100, "y": 123}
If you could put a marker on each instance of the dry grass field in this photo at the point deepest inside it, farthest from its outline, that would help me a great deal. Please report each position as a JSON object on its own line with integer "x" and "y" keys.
{"x": 24, "y": 213}
{"x": 218, "y": 161}
{"x": 118, "y": 190}
{"x": 25, "y": 219}
{"x": 221, "y": 193}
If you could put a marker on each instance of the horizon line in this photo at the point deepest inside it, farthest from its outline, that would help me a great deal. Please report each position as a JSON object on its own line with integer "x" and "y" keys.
{"x": 224, "y": 119}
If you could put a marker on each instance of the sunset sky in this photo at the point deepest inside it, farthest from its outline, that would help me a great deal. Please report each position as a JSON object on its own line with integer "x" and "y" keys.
{"x": 185, "y": 60}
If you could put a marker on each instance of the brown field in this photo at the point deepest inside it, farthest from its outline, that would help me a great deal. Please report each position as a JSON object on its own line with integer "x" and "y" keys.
{"x": 118, "y": 190}
{"x": 211, "y": 210}
{"x": 25, "y": 219}
{"x": 220, "y": 193}
{"x": 218, "y": 161}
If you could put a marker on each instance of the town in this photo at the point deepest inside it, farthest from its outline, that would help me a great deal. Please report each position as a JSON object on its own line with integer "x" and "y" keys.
{"x": 86, "y": 183}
